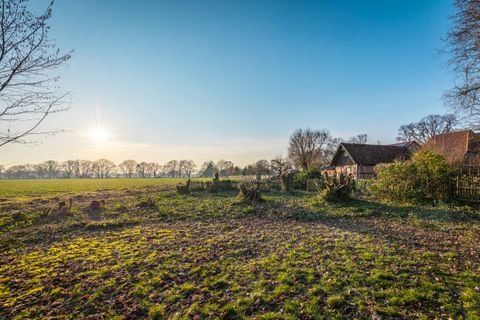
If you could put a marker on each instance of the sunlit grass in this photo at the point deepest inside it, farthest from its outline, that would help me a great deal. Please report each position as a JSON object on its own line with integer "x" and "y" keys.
{"x": 41, "y": 187}
{"x": 157, "y": 254}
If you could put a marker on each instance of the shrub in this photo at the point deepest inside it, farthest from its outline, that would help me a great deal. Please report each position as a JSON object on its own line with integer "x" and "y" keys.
{"x": 301, "y": 178}
{"x": 315, "y": 185}
{"x": 218, "y": 185}
{"x": 184, "y": 189}
{"x": 270, "y": 184}
{"x": 424, "y": 178}
{"x": 338, "y": 189}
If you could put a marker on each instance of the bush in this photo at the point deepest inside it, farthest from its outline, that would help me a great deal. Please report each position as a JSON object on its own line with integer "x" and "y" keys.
{"x": 424, "y": 178}
{"x": 338, "y": 189}
{"x": 301, "y": 178}
{"x": 270, "y": 184}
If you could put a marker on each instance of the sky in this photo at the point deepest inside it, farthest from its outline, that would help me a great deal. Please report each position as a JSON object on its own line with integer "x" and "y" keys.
{"x": 201, "y": 80}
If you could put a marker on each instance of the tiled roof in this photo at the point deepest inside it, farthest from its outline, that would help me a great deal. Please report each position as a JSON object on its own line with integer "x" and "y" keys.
{"x": 454, "y": 146}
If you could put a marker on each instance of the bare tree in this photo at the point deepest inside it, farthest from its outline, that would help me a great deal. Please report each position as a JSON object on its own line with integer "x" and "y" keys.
{"x": 85, "y": 168}
{"x": 142, "y": 169}
{"x": 225, "y": 167}
{"x": 27, "y": 57}
{"x": 181, "y": 166}
{"x": 427, "y": 127}
{"x": 359, "y": 139}
{"x": 51, "y": 168}
{"x": 18, "y": 171}
{"x": 463, "y": 47}
{"x": 128, "y": 167}
{"x": 306, "y": 147}
{"x": 280, "y": 165}
{"x": 156, "y": 168}
{"x": 331, "y": 149}
{"x": 261, "y": 167}
{"x": 171, "y": 167}
{"x": 76, "y": 168}
{"x": 149, "y": 167}
{"x": 69, "y": 167}
{"x": 188, "y": 168}
{"x": 41, "y": 170}
{"x": 208, "y": 169}
{"x": 103, "y": 168}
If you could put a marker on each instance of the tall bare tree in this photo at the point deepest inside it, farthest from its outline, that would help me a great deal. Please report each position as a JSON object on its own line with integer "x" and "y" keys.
{"x": 69, "y": 168}
{"x": 225, "y": 167}
{"x": 156, "y": 168}
{"x": 463, "y": 43}
{"x": 307, "y": 147}
{"x": 142, "y": 169}
{"x": 51, "y": 167}
{"x": 171, "y": 167}
{"x": 128, "y": 167}
{"x": 85, "y": 168}
{"x": 427, "y": 127}
{"x": 181, "y": 166}
{"x": 103, "y": 168}
{"x": 28, "y": 92}
{"x": 188, "y": 168}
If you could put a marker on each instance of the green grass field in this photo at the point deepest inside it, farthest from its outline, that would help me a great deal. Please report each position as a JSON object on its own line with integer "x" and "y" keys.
{"x": 160, "y": 255}
{"x": 10, "y": 188}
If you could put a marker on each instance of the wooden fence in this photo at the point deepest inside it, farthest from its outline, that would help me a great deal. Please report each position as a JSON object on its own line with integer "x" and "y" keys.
{"x": 465, "y": 184}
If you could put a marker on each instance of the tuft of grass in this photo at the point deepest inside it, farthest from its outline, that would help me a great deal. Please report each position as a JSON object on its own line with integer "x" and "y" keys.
{"x": 157, "y": 312}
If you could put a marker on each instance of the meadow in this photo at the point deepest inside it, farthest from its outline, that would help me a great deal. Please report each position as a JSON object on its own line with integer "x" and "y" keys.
{"x": 150, "y": 252}
{"x": 40, "y": 187}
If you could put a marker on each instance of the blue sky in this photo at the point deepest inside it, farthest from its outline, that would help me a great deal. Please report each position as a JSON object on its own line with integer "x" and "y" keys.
{"x": 233, "y": 79}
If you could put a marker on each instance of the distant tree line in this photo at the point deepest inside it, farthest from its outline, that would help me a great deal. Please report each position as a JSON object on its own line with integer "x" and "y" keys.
{"x": 104, "y": 168}
{"x": 101, "y": 169}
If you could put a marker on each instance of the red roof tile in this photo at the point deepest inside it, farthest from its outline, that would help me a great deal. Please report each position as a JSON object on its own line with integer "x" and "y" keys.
{"x": 454, "y": 146}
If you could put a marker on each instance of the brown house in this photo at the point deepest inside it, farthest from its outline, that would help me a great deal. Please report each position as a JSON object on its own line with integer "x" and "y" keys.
{"x": 459, "y": 147}
{"x": 361, "y": 159}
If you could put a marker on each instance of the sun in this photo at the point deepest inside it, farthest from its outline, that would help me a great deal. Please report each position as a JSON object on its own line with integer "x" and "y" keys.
{"x": 99, "y": 135}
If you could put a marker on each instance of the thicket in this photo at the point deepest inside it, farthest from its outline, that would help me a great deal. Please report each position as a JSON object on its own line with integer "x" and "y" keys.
{"x": 424, "y": 178}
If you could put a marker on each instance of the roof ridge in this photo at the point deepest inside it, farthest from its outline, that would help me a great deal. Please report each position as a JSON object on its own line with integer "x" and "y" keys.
{"x": 371, "y": 144}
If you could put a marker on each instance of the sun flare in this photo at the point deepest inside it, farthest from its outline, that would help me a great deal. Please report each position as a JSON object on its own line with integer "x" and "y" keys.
{"x": 99, "y": 135}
